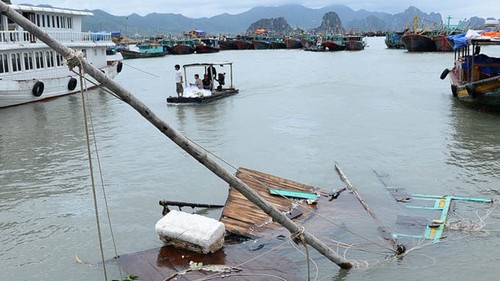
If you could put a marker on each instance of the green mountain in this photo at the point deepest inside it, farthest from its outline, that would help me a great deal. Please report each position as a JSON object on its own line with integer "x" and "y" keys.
{"x": 296, "y": 16}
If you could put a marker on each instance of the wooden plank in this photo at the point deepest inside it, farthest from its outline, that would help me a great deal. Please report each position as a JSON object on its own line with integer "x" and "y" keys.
{"x": 241, "y": 216}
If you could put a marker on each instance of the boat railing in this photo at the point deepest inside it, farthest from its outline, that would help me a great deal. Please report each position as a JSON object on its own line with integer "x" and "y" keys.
{"x": 61, "y": 36}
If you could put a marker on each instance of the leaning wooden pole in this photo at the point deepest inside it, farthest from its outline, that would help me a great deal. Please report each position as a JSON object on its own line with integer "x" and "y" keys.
{"x": 180, "y": 140}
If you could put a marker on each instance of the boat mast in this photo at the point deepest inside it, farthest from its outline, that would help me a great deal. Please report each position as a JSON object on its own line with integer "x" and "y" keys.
{"x": 180, "y": 140}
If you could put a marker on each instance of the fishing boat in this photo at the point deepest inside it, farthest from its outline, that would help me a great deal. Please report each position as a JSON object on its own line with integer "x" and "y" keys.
{"x": 475, "y": 76}
{"x": 354, "y": 43}
{"x": 144, "y": 50}
{"x": 333, "y": 43}
{"x": 227, "y": 44}
{"x": 393, "y": 40}
{"x": 31, "y": 71}
{"x": 293, "y": 43}
{"x": 418, "y": 40}
{"x": 244, "y": 43}
{"x": 443, "y": 44}
{"x": 216, "y": 72}
{"x": 207, "y": 46}
{"x": 179, "y": 46}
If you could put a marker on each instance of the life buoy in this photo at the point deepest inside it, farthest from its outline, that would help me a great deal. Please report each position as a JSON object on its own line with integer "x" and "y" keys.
{"x": 444, "y": 73}
{"x": 119, "y": 67}
{"x": 72, "y": 83}
{"x": 471, "y": 90}
{"x": 38, "y": 88}
{"x": 454, "y": 90}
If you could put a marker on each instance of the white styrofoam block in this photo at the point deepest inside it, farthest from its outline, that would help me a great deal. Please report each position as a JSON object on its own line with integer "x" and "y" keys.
{"x": 195, "y": 229}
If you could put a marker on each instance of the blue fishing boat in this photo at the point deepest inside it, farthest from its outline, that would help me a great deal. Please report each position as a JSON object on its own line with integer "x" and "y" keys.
{"x": 475, "y": 76}
{"x": 144, "y": 50}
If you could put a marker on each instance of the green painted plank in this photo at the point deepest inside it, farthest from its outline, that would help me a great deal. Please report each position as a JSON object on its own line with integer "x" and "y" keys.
{"x": 294, "y": 194}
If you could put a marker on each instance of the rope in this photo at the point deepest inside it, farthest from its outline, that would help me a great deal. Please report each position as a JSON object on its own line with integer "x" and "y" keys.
{"x": 104, "y": 190}
{"x": 73, "y": 59}
{"x": 142, "y": 70}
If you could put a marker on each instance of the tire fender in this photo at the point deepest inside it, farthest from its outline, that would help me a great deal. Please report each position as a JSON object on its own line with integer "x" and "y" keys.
{"x": 38, "y": 88}
{"x": 444, "y": 73}
{"x": 72, "y": 83}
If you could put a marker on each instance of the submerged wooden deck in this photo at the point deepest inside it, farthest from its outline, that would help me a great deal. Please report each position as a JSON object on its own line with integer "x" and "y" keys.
{"x": 240, "y": 216}
{"x": 271, "y": 255}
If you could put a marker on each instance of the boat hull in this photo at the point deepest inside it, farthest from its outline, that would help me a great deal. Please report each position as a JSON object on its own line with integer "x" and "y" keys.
{"x": 442, "y": 43}
{"x": 393, "y": 40}
{"x": 354, "y": 45}
{"x": 483, "y": 95}
{"x": 216, "y": 95}
{"x": 418, "y": 43}
{"x": 332, "y": 46}
{"x": 227, "y": 45}
{"x": 292, "y": 43}
{"x": 129, "y": 54}
{"x": 18, "y": 92}
{"x": 203, "y": 49}
{"x": 242, "y": 44}
{"x": 181, "y": 49}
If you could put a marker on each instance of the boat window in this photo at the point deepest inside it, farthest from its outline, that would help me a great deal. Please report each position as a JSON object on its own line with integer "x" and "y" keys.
{"x": 50, "y": 58}
{"x": 59, "y": 60}
{"x": 39, "y": 60}
{"x": 4, "y": 63}
{"x": 28, "y": 61}
{"x": 43, "y": 20}
{"x": 53, "y": 21}
{"x": 58, "y": 22}
{"x": 70, "y": 23}
{"x": 16, "y": 62}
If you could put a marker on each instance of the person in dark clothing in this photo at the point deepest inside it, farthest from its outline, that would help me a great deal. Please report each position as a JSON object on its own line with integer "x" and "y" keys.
{"x": 207, "y": 84}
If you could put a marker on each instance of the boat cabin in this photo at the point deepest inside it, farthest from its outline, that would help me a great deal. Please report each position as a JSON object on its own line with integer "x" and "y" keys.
{"x": 472, "y": 65}
{"x": 21, "y": 51}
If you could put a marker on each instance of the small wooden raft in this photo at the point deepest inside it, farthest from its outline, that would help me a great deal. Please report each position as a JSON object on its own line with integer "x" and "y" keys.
{"x": 242, "y": 217}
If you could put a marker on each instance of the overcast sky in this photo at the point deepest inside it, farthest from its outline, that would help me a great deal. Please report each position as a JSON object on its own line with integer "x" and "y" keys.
{"x": 458, "y": 9}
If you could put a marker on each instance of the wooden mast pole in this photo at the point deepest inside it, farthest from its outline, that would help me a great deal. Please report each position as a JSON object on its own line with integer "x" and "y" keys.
{"x": 180, "y": 140}
{"x": 398, "y": 248}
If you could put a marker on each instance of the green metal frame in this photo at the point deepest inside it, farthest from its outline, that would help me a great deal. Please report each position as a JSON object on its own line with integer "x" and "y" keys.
{"x": 434, "y": 231}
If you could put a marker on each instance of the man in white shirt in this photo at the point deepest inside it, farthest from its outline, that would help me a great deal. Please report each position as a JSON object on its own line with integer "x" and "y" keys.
{"x": 178, "y": 81}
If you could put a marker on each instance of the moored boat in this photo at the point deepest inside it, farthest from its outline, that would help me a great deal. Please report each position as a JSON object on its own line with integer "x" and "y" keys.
{"x": 442, "y": 44}
{"x": 293, "y": 43}
{"x": 333, "y": 43}
{"x": 179, "y": 46}
{"x": 31, "y": 71}
{"x": 227, "y": 44}
{"x": 416, "y": 42}
{"x": 393, "y": 40}
{"x": 354, "y": 43}
{"x": 217, "y": 72}
{"x": 475, "y": 76}
{"x": 206, "y": 46}
{"x": 144, "y": 50}
{"x": 243, "y": 43}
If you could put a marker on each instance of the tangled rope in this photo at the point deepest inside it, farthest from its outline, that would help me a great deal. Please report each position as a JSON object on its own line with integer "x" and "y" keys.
{"x": 75, "y": 59}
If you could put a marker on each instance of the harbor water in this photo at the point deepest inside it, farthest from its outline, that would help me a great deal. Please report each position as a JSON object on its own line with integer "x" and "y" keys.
{"x": 296, "y": 115}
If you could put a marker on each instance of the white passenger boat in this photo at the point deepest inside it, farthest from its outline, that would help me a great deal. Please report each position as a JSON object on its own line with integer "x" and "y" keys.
{"x": 31, "y": 71}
